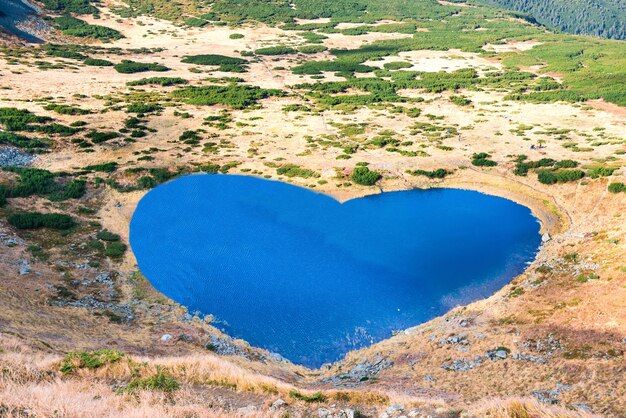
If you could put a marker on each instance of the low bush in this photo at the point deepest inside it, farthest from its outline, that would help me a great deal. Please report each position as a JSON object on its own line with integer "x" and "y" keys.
{"x": 115, "y": 249}
{"x": 275, "y": 50}
{"x": 160, "y": 81}
{"x": 161, "y": 381}
{"x": 315, "y": 397}
{"x": 292, "y": 170}
{"x": 75, "y": 27}
{"x": 365, "y": 176}
{"x": 212, "y": 59}
{"x": 482, "y": 160}
{"x": 35, "y": 220}
{"x": 130, "y": 67}
{"x": 97, "y": 62}
{"x": 435, "y": 174}
{"x": 617, "y": 187}
{"x": 105, "y": 235}
{"x": 77, "y": 360}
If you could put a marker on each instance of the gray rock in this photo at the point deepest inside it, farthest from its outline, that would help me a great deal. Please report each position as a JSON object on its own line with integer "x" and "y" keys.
{"x": 15, "y": 157}
{"x": 250, "y": 409}
{"x": 495, "y": 355}
{"x": 361, "y": 372}
{"x": 395, "y": 408}
{"x": 547, "y": 396}
{"x": 429, "y": 378}
{"x": 278, "y": 404}
{"x": 166, "y": 337}
{"x": 462, "y": 364}
{"x": 24, "y": 268}
{"x": 224, "y": 346}
{"x": 582, "y": 407}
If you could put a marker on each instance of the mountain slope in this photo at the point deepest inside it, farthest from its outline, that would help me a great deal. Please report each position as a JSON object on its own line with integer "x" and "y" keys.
{"x": 605, "y": 18}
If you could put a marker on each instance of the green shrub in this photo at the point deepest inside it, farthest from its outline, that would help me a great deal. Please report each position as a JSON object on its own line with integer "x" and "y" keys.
{"x": 600, "y": 171}
{"x": 397, "y": 65}
{"x": 102, "y": 168}
{"x": 75, "y": 27}
{"x": 77, "y": 360}
{"x": 146, "y": 182}
{"x": 315, "y": 397}
{"x": 115, "y": 249}
{"x": 70, "y": 6}
{"x": 312, "y": 49}
{"x": 34, "y": 220}
{"x": 66, "y": 110}
{"x": 235, "y": 96}
{"x": 99, "y": 137}
{"x": 105, "y": 235}
{"x": 547, "y": 177}
{"x": 161, "y": 381}
{"x": 130, "y": 67}
{"x": 161, "y": 81}
{"x": 292, "y": 170}
{"x": 236, "y": 36}
{"x": 482, "y": 160}
{"x": 318, "y": 67}
{"x": 96, "y": 62}
{"x": 275, "y": 50}
{"x": 460, "y": 100}
{"x": 435, "y": 174}
{"x": 564, "y": 176}
{"x": 617, "y": 187}
{"x": 141, "y": 108}
{"x": 365, "y": 176}
{"x": 212, "y": 59}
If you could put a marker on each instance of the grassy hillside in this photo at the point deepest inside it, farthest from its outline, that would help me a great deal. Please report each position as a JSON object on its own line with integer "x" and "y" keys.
{"x": 605, "y": 18}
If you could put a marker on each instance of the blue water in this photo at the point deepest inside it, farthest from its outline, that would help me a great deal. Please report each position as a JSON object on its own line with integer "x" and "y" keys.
{"x": 300, "y": 274}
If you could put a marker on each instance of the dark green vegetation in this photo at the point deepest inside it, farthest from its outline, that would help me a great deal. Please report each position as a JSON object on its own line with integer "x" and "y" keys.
{"x": 365, "y": 176}
{"x": 71, "y": 6}
{"x": 606, "y": 18}
{"x": 35, "y": 220}
{"x": 160, "y": 81}
{"x": 96, "y": 62}
{"x": 292, "y": 170}
{"x": 275, "y": 50}
{"x": 435, "y": 174}
{"x": 130, "y": 67}
{"x": 43, "y": 183}
{"x": 481, "y": 159}
{"x": 77, "y": 360}
{"x": 75, "y": 27}
{"x": 212, "y": 59}
{"x": 21, "y": 120}
{"x": 234, "y": 95}
{"x": 617, "y": 187}
{"x": 550, "y": 171}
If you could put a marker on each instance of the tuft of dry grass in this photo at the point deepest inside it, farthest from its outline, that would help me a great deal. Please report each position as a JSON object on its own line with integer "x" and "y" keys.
{"x": 520, "y": 408}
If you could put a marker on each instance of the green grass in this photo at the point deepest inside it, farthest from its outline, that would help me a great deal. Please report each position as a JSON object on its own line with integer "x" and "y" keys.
{"x": 161, "y": 381}
{"x": 77, "y": 360}
{"x": 315, "y": 397}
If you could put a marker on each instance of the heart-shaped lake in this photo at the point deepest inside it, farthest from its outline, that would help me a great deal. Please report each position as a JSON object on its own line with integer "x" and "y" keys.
{"x": 300, "y": 274}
